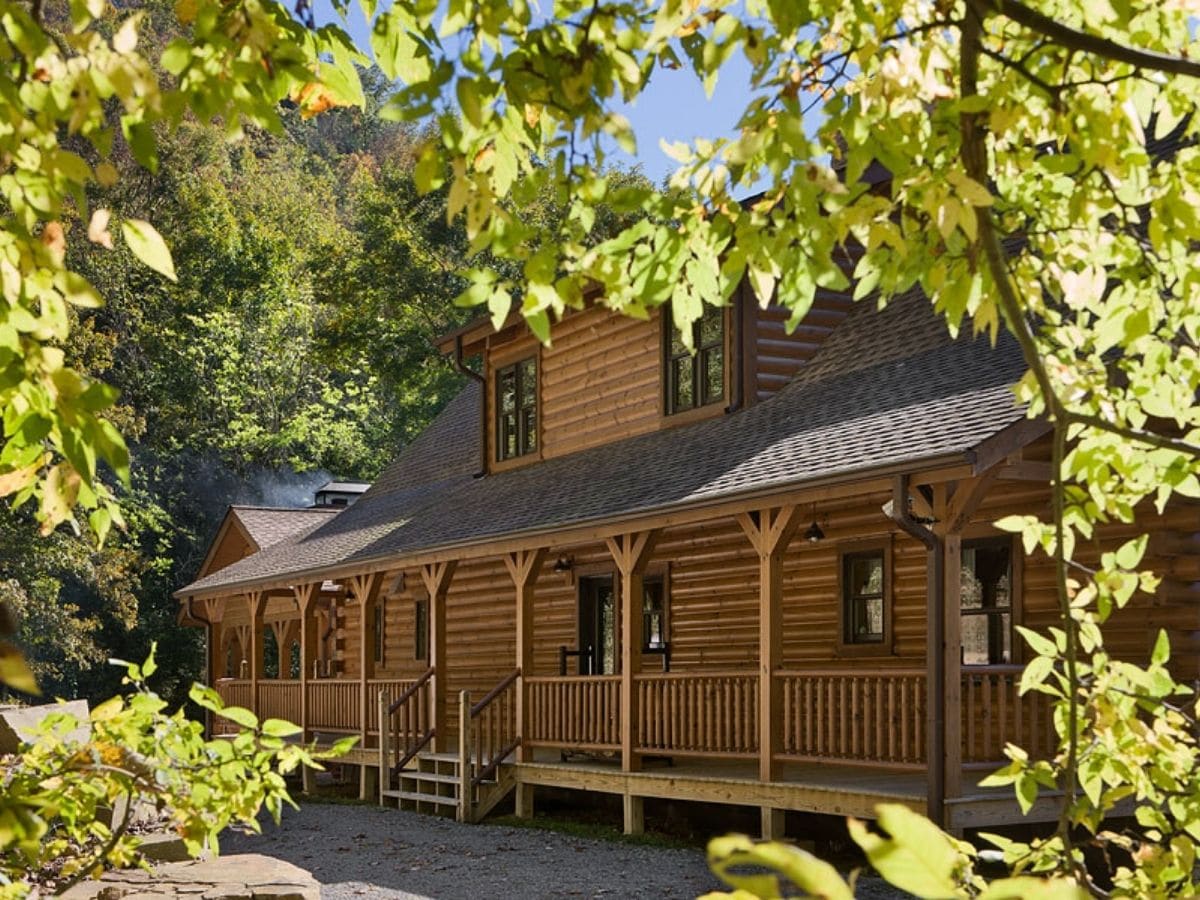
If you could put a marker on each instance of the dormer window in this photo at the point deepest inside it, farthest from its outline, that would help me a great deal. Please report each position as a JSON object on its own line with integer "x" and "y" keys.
{"x": 696, "y": 378}
{"x": 516, "y": 409}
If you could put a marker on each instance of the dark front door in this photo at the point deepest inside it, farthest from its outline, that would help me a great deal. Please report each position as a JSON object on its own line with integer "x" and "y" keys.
{"x": 597, "y": 626}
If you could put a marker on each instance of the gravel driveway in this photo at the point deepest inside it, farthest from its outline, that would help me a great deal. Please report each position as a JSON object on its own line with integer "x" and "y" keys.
{"x": 365, "y": 851}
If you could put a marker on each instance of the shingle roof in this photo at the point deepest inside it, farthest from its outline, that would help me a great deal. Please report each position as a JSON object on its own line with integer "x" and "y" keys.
{"x": 886, "y": 389}
{"x": 268, "y": 525}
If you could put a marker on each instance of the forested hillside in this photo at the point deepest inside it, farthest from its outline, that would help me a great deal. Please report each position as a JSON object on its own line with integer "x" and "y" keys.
{"x": 296, "y": 345}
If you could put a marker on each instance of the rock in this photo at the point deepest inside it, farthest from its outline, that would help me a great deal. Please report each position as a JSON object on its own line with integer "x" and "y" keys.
{"x": 17, "y": 722}
{"x": 247, "y": 876}
{"x": 164, "y": 847}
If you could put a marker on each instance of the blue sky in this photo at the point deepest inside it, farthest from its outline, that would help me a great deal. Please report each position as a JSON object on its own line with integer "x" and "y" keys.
{"x": 673, "y": 107}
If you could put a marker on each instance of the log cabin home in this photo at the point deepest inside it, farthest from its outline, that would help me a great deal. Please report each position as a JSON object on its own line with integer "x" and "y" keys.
{"x": 762, "y": 574}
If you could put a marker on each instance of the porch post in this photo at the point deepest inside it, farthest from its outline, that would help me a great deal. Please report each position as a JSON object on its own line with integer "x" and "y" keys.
{"x": 304, "y": 594}
{"x": 213, "y": 608}
{"x": 365, "y": 591}
{"x": 524, "y": 566}
{"x": 256, "y": 604}
{"x": 436, "y": 577}
{"x": 631, "y": 552}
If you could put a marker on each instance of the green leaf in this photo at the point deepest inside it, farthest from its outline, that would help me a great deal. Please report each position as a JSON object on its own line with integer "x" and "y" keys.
{"x": 1028, "y": 888}
{"x": 917, "y": 857}
{"x": 148, "y": 246}
{"x": 238, "y": 716}
{"x": 279, "y": 728}
{"x": 1162, "y": 649}
{"x": 729, "y": 857}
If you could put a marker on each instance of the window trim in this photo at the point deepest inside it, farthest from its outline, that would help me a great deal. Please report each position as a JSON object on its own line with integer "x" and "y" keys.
{"x": 1016, "y": 557}
{"x": 497, "y": 362}
{"x": 667, "y": 414}
{"x": 883, "y": 647}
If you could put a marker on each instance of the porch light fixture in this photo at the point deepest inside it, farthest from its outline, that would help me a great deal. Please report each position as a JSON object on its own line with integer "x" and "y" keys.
{"x": 815, "y": 532}
{"x": 563, "y": 564}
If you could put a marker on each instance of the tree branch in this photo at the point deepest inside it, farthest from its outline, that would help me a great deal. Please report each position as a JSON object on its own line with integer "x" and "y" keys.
{"x": 1075, "y": 39}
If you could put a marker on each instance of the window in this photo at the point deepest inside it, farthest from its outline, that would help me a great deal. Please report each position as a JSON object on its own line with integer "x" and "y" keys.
{"x": 654, "y": 615}
{"x": 379, "y": 632}
{"x": 864, "y": 597}
{"x": 421, "y": 629}
{"x": 697, "y": 379}
{"x": 516, "y": 409}
{"x": 987, "y": 602}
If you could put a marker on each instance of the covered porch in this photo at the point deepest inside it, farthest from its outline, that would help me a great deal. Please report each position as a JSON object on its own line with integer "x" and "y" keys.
{"x": 736, "y": 693}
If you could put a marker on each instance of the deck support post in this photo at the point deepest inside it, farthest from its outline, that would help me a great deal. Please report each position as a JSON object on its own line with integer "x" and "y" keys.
{"x": 304, "y": 594}
{"x": 634, "y": 809}
{"x": 631, "y": 552}
{"x": 524, "y": 801}
{"x": 385, "y": 751}
{"x": 256, "y": 604}
{"x": 364, "y": 589}
{"x": 524, "y": 566}
{"x": 436, "y": 577}
{"x": 770, "y": 530}
{"x": 772, "y": 824}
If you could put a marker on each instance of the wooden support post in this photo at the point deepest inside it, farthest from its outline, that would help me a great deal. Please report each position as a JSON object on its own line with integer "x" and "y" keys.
{"x": 282, "y": 631}
{"x": 524, "y": 566}
{"x": 364, "y": 590}
{"x": 304, "y": 594}
{"x": 524, "y": 801}
{"x": 952, "y": 661}
{"x": 436, "y": 577}
{"x": 385, "y": 750}
{"x": 635, "y": 814}
{"x": 213, "y": 608}
{"x": 631, "y": 552}
{"x": 256, "y": 604}
{"x": 770, "y": 531}
{"x": 464, "y": 756}
{"x": 772, "y": 824}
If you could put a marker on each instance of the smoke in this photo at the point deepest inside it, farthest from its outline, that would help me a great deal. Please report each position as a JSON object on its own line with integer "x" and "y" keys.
{"x": 280, "y": 487}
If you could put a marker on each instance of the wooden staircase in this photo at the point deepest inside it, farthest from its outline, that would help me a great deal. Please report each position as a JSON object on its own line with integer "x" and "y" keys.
{"x": 467, "y": 784}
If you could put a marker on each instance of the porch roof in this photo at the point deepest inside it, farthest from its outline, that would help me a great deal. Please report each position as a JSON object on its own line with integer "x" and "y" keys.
{"x": 888, "y": 388}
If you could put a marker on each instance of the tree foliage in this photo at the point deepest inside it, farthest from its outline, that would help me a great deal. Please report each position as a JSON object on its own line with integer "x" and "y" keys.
{"x": 71, "y": 795}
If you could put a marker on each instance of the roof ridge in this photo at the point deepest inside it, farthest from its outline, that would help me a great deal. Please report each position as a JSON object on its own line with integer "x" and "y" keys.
{"x": 303, "y": 509}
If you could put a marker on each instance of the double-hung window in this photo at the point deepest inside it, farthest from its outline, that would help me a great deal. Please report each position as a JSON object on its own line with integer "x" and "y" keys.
{"x": 516, "y": 409}
{"x": 696, "y": 378}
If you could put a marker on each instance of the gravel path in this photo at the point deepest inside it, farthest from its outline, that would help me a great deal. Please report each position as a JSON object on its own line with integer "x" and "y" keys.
{"x": 364, "y": 851}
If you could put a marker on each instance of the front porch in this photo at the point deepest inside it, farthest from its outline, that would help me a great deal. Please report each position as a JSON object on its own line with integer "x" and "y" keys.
{"x": 706, "y": 656}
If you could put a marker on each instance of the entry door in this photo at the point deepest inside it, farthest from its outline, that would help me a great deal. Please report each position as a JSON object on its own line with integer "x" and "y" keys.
{"x": 597, "y": 626}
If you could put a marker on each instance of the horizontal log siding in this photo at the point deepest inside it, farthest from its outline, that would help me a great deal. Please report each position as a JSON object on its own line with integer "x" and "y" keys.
{"x": 779, "y": 355}
{"x": 600, "y": 380}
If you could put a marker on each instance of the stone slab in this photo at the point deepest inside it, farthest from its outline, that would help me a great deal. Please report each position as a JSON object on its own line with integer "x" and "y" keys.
{"x": 17, "y": 722}
{"x": 244, "y": 876}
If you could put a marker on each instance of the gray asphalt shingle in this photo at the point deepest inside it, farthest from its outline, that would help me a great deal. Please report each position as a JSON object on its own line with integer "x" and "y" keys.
{"x": 887, "y": 388}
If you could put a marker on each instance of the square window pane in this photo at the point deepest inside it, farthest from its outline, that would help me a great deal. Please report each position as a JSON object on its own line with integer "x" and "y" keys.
{"x": 712, "y": 326}
{"x": 529, "y": 432}
{"x": 866, "y": 575}
{"x": 975, "y": 641}
{"x": 678, "y": 347}
{"x": 683, "y": 391}
{"x": 506, "y": 390}
{"x": 527, "y": 371}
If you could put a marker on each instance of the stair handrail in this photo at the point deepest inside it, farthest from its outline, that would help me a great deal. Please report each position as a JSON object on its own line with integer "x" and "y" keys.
{"x": 412, "y": 689}
{"x": 492, "y": 744}
{"x": 408, "y": 748}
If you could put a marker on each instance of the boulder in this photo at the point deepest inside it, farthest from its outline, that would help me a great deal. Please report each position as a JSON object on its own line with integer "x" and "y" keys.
{"x": 17, "y": 722}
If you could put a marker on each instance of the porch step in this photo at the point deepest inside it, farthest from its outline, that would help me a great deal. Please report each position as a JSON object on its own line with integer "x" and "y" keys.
{"x": 418, "y": 775}
{"x": 422, "y": 798}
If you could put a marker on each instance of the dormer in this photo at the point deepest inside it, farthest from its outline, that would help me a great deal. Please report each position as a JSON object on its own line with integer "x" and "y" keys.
{"x": 605, "y": 376}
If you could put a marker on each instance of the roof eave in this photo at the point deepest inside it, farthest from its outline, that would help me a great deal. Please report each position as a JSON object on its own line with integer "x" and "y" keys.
{"x": 377, "y": 562}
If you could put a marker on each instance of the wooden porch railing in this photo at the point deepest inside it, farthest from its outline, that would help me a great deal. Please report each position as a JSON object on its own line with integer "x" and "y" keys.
{"x": 279, "y": 699}
{"x": 391, "y": 688}
{"x": 874, "y": 716}
{"x": 702, "y": 713}
{"x": 411, "y": 718}
{"x": 574, "y": 712}
{"x": 491, "y": 729}
{"x": 332, "y": 705}
{"x": 235, "y": 692}
{"x": 994, "y": 715}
